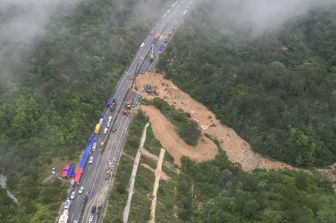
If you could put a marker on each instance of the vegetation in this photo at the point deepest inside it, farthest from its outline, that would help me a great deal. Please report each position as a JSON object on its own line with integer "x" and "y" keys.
{"x": 118, "y": 196}
{"x": 141, "y": 200}
{"x": 166, "y": 208}
{"x": 278, "y": 90}
{"x": 186, "y": 127}
{"x": 61, "y": 86}
{"x": 152, "y": 144}
{"x": 216, "y": 191}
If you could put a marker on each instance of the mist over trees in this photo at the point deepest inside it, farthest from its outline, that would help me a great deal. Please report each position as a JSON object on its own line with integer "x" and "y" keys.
{"x": 254, "y": 18}
{"x": 278, "y": 91}
{"x": 65, "y": 69}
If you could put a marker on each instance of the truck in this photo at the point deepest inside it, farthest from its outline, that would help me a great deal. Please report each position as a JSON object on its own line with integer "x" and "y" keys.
{"x": 111, "y": 104}
{"x": 107, "y": 174}
{"x": 102, "y": 146}
{"x": 100, "y": 205}
{"x": 64, "y": 217}
{"x": 152, "y": 56}
{"x": 97, "y": 129}
{"x": 128, "y": 104}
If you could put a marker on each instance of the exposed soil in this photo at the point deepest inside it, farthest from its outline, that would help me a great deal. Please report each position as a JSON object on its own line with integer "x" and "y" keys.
{"x": 236, "y": 148}
{"x": 329, "y": 173}
{"x": 166, "y": 133}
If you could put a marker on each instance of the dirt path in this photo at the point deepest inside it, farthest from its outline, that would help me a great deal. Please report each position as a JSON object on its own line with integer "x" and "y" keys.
{"x": 165, "y": 132}
{"x": 156, "y": 185}
{"x": 133, "y": 175}
{"x": 236, "y": 148}
{"x": 148, "y": 154}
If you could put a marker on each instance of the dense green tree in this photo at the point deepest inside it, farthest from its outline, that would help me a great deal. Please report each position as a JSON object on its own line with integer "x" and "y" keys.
{"x": 60, "y": 88}
{"x": 276, "y": 90}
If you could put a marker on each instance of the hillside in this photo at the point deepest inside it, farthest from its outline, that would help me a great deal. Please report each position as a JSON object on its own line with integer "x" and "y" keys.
{"x": 277, "y": 90}
{"x": 52, "y": 96}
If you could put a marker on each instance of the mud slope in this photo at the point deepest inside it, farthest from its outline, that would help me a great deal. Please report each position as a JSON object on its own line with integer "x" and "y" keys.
{"x": 236, "y": 148}
{"x": 165, "y": 132}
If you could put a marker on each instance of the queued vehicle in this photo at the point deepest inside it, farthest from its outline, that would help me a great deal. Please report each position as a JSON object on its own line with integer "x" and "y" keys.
{"x": 73, "y": 194}
{"x": 91, "y": 160}
{"x": 81, "y": 189}
{"x": 67, "y": 204}
{"x": 93, "y": 209}
{"x": 91, "y": 219}
{"x": 94, "y": 146}
{"x": 102, "y": 143}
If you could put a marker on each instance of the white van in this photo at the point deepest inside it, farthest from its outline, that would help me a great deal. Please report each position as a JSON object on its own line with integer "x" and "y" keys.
{"x": 94, "y": 146}
{"x": 91, "y": 160}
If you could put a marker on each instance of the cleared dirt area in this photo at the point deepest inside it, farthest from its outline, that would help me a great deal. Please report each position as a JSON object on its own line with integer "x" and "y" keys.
{"x": 165, "y": 132}
{"x": 236, "y": 148}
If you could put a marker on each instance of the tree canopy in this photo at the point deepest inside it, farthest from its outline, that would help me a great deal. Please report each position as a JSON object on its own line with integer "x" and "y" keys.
{"x": 278, "y": 90}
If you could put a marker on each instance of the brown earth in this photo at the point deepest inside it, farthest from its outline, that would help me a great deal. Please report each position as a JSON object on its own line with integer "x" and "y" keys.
{"x": 165, "y": 132}
{"x": 236, "y": 148}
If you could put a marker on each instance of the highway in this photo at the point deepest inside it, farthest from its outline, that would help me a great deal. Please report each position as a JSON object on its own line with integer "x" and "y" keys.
{"x": 95, "y": 180}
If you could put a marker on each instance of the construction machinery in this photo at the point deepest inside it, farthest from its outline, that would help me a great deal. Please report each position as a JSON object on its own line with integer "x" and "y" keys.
{"x": 129, "y": 99}
{"x": 205, "y": 140}
{"x": 151, "y": 90}
{"x": 128, "y": 103}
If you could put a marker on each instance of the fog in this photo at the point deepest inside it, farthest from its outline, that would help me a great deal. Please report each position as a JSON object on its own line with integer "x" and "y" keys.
{"x": 22, "y": 22}
{"x": 258, "y": 17}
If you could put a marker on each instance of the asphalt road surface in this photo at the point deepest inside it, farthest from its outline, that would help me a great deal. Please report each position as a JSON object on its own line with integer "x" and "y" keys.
{"x": 95, "y": 179}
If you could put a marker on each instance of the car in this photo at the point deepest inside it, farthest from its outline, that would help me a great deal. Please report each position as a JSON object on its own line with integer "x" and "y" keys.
{"x": 91, "y": 160}
{"x": 67, "y": 204}
{"x": 105, "y": 130}
{"x": 93, "y": 209}
{"x": 102, "y": 143}
{"x": 108, "y": 125}
{"x": 73, "y": 194}
{"x": 110, "y": 118}
{"x": 142, "y": 44}
{"x": 91, "y": 219}
{"x": 114, "y": 130}
{"x": 75, "y": 221}
{"x": 81, "y": 189}
{"x": 94, "y": 146}
{"x": 101, "y": 120}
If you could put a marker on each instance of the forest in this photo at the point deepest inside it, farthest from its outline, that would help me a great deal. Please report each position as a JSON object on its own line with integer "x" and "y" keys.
{"x": 216, "y": 191}
{"x": 60, "y": 86}
{"x": 277, "y": 90}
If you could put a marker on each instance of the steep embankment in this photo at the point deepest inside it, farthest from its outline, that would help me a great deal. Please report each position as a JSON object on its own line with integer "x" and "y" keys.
{"x": 165, "y": 131}
{"x": 236, "y": 148}
{"x": 277, "y": 89}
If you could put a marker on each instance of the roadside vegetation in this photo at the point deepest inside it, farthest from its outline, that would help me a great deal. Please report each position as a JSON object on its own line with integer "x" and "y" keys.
{"x": 167, "y": 199}
{"x": 61, "y": 85}
{"x": 141, "y": 201}
{"x": 152, "y": 144}
{"x": 118, "y": 196}
{"x": 216, "y": 191}
{"x": 187, "y": 128}
{"x": 278, "y": 90}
